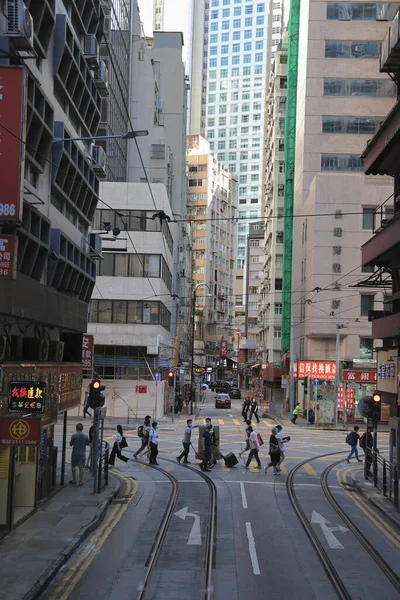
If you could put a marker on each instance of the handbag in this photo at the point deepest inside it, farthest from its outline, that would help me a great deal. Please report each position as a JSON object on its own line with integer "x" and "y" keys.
{"x": 260, "y": 440}
{"x": 123, "y": 443}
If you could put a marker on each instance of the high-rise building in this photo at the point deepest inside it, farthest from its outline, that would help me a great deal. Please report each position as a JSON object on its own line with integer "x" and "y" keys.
{"x": 341, "y": 99}
{"x": 212, "y": 203}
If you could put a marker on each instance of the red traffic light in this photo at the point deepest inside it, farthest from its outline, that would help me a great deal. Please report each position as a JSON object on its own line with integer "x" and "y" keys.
{"x": 170, "y": 374}
{"x": 96, "y": 385}
{"x": 376, "y": 397}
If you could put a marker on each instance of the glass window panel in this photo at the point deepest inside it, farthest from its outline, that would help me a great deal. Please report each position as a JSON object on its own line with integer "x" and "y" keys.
{"x": 119, "y": 311}
{"x": 121, "y": 265}
{"x": 104, "y": 312}
{"x": 151, "y": 312}
{"x": 152, "y": 265}
{"x": 134, "y": 311}
{"x": 341, "y": 162}
{"x": 136, "y": 265}
{"x": 107, "y": 264}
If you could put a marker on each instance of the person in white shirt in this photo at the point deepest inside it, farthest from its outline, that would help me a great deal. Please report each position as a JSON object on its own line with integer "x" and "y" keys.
{"x": 119, "y": 443}
{"x": 187, "y": 436}
{"x": 153, "y": 436}
{"x": 254, "y": 447}
{"x": 282, "y": 439}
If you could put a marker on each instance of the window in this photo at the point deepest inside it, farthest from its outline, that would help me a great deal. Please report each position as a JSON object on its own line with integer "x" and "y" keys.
{"x": 224, "y": 49}
{"x": 235, "y": 60}
{"x": 214, "y": 27}
{"x": 236, "y": 23}
{"x": 341, "y": 162}
{"x": 247, "y": 58}
{"x": 129, "y": 311}
{"x": 225, "y": 25}
{"x": 367, "y": 125}
{"x": 237, "y": 11}
{"x": 235, "y": 47}
{"x": 214, "y": 38}
{"x": 260, "y": 33}
{"x": 337, "y": 49}
{"x": 279, "y": 237}
{"x": 359, "y": 87}
{"x": 366, "y": 347}
{"x": 360, "y": 11}
{"x": 259, "y": 57}
{"x": 260, "y": 8}
{"x": 368, "y": 218}
{"x": 248, "y": 22}
{"x": 214, "y": 14}
{"x": 248, "y": 10}
{"x": 260, "y": 20}
{"x": 367, "y": 304}
{"x": 224, "y": 72}
{"x": 225, "y": 13}
{"x": 278, "y": 284}
{"x": 224, "y": 61}
{"x": 259, "y": 44}
{"x": 236, "y": 35}
{"x": 277, "y": 309}
{"x": 247, "y": 47}
{"x": 277, "y": 333}
{"x": 248, "y": 34}
{"x": 212, "y": 62}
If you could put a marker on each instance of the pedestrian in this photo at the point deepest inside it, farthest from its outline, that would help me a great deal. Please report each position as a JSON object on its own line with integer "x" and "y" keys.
{"x": 367, "y": 443}
{"x": 254, "y": 409}
{"x": 274, "y": 452}
{"x": 118, "y": 445}
{"x": 246, "y": 438}
{"x": 86, "y": 407}
{"x": 187, "y": 436}
{"x": 281, "y": 439}
{"x": 352, "y": 439}
{"x": 214, "y": 447}
{"x": 89, "y": 457}
{"x": 178, "y": 404}
{"x": 254, "y": 448}
{"x": 245, "y": 409}
{"x": 153, "y": 437}
{"x": 296, "y": 412}
{"x": 207, "y": 440}
{"x": 78, "y": 441}
{"x": 143, "y": 433}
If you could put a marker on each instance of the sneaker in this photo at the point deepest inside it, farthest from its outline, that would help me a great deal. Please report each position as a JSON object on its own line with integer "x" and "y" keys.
{"x": 187, "y": 462}
{"x": 258, "y": 467}
{"x": 72, "y": 482}
{"x": 347, "y": 460}
{"x": 135, "y": 456}
{"x": 178, "y": 460}
{"x": 359, "y": 460}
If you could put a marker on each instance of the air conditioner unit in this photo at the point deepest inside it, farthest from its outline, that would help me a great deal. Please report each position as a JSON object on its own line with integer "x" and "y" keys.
{"x": 101, "y": 78}
{"x": 99, "y": 161}
{"x": 19, "y": 24}
{"x": 94, "y": 244}
{"x": 358, "y": 48}
{"x": 91, "y": 49}
{"x": 56, "y": 352}
{"x": 3, "y": 346}
{"x": 35, "y": 349}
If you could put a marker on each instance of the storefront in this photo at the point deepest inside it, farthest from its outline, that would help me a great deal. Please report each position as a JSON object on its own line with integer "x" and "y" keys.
{"x": 354, "y": 386}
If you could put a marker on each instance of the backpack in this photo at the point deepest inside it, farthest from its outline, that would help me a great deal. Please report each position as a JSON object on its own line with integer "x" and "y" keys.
{"x": 349, "y": 439}
{"x": 363, "y": 441}
{"x": 140, "y": 431}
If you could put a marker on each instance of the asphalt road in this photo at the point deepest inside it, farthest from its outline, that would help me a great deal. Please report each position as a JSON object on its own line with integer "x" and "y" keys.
{"x": 262, "y": 550}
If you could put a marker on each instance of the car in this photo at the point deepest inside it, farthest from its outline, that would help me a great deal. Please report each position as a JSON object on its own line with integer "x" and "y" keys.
{"x": 222, "y": 401}
{"x": 235, "y": 393}
{"x": 222, "y": 387}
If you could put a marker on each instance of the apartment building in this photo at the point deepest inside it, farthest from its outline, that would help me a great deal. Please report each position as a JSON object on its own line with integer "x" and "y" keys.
{"x": 254, "y": 278}
{"x": 341, "y": 99}
{"x": 270, "y": 316}
{"x": 212, "y": 204}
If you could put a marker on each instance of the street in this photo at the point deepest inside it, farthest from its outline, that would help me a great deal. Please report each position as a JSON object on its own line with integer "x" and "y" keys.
{"x": 158, "y": 543}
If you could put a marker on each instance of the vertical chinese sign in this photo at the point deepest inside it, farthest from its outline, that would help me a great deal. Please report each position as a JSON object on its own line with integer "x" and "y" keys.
{"x": 87, "y": 351}
{"x": 223, "y": 351}
{"x": 12, "y": 134}
{"x": 8, "y": 256}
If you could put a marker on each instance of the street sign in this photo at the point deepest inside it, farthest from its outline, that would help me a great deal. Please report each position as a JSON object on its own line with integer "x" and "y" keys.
{"x": 316, "y": 381}
{"x": 156, "y": 376}
{"x": 16, "y": 431}
{"x": 26, "y": 396}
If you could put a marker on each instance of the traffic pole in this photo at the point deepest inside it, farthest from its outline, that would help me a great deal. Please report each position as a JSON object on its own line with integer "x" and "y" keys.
{"x": 335, "y": 399}
{"x": 291, "y": 389}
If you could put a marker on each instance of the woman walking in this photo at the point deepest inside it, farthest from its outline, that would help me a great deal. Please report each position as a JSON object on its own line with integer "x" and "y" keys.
{"x": 254, "y": 447}
{"x": 274, "y": 452}
{"x": 119, "y": 443}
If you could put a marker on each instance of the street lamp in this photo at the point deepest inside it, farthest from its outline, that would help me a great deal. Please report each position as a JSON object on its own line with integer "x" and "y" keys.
{"x": 122, "y": 136}
{"x": 192, "y": 390}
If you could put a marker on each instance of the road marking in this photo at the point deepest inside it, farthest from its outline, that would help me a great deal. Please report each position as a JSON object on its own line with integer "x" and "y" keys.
{"x": 283, "y": 469}
{"x": 243, "y": 493}
{"x": 236, "y": 422}
{"x": 309, "y": 470}
{"x": 333, "y": 542}
{"x": 267, "y": 423}
{"x": 194, "y": 538}
{"x": 221, "y": 422}
{"x": 169, "y": 468}
{"x": 252, "y": 550}
{"x": 168, "y": 481}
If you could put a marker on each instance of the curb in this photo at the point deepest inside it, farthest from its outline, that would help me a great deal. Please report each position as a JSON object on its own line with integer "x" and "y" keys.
{"x": 394, "y": 518}
{"x": 62, "y": 558}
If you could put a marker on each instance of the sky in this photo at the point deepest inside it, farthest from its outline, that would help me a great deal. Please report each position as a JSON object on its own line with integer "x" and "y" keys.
{"x": 146, "y": 15}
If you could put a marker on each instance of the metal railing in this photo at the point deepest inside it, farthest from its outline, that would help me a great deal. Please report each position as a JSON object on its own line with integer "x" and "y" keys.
{"x": 383, "y": 474}
{"x": 102, "y": 472}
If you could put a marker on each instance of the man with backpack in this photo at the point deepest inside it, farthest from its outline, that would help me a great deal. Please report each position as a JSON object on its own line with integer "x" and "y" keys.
{"x": 143, "y": 432}
{"x": 352, "y": 439}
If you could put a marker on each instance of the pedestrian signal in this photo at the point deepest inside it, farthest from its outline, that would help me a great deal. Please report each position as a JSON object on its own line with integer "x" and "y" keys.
{"x": 171, "y": 378}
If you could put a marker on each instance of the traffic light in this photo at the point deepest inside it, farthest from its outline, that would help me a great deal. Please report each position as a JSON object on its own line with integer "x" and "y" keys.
{"x": 171, "y": 378}
{"x": 364, "y": 406}
{"x": 96, "y": 398}
{"x": 375, "y": 407}
{"x": 305, "y": 383}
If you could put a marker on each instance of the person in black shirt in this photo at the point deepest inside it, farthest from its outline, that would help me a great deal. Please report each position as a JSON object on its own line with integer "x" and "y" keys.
{"x": 207, "y": 439}
{"x": 367, "y": 443}
{"x": 352, "y": 440}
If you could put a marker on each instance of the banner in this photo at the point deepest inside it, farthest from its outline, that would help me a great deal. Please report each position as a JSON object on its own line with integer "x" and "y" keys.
{"x": 87, "y": 351}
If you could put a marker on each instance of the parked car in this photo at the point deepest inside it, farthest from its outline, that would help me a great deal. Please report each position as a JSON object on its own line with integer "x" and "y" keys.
{"x": 235, "y": 394}
{"x": 222, "y": 401}
{"x": 222, "y": 387}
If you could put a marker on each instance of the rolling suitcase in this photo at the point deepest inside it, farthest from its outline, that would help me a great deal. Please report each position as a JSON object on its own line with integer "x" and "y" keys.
{"x": 230, "y": 460}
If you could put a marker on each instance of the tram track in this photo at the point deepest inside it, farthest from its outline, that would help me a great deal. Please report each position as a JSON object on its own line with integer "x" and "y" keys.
{"x": 333, "y": 574}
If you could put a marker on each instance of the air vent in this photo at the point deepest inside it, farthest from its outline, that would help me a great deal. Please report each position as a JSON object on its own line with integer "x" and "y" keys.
{"x": 19, "y": 25}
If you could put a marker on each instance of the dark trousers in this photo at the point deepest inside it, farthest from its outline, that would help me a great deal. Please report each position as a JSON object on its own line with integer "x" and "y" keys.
{"x": 245, "y": 412}
{"x": 206, "y": 459}
{"x": 153, "y": 453}
{"x": 185, "y": 453}
{"x": 145, "y": 441}
{"x": 116, "y": 451}
{"x": 294, "y": 418}
{"x": 253, "y": 452}
{"x": 255, "y": 413}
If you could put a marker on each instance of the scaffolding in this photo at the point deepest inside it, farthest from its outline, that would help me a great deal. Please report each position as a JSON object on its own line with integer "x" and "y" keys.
{"x": 290, "y": 148}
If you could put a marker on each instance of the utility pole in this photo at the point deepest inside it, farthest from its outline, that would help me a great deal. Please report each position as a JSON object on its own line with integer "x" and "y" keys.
{"x": 192, "y": 391}
{"x": 291, "y": 389}
{"x": 335, "y": 397}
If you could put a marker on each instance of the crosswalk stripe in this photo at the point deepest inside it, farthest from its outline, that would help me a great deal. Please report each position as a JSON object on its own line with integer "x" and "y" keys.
{"x": 309, "y": 470}
{"x": 236, "y": 422}
{"x": 267, "y": 423}
{"x": 220, "y": 421}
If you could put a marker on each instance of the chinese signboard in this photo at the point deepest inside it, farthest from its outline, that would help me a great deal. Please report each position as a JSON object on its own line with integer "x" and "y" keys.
{"x": 87, "y": 351}
{"x": 386, "y": 370}
{"x": 8, "y": 263}
{"x": 366, "y": 376}
{"x": 19, "y": 432}
{"x": 70, "y": 386}
{"x": 322, "y": 369}
{"x": 12, "y": 102}
{"x": 26, "y": 396}
{"x": 349, "y": 398}
{"x": 223, "y": 350}
{"x": 141, "y": 389}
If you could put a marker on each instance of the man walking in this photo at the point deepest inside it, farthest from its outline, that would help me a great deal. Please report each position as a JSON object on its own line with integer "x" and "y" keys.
{"x": 153, "y": 437}
{"x": 145, "y": 431}
{"x": 281, "y": 439}
{"x": 245, "y": 409}
{"x": 254, "y": 448}
{"x": 296, "y": 412}
{"x": 367, "y": 443}
{"x": 254, "y": 409}
{"x": 187, "y": 436}
{"x": 207, "y": 440}
{"x": 246, "y": 438}
{"x": 214, "y": 447}
{"x": 352, "y": 439}
{"x": 78, "y": 441}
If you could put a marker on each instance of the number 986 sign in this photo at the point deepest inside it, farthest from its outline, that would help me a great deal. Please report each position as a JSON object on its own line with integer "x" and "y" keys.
{"x": 8, "y": 210}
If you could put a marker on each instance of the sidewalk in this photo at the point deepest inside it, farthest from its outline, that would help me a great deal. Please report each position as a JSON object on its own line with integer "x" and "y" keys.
{"x": 373, "y": 495}
{"x": 35, "y": 551}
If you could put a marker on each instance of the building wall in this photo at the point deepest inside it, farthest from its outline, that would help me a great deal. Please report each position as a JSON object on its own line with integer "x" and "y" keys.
{"x": 322, "y": 185}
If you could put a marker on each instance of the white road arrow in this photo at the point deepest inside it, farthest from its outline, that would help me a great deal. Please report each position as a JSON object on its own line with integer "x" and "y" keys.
{"x": 195, "y": 533}
{"x": 333, "y": 542}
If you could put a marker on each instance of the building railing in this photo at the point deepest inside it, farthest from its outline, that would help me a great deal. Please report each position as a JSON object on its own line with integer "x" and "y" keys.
{"x": 383, "y": 214}
{"x": 384, "y": 475}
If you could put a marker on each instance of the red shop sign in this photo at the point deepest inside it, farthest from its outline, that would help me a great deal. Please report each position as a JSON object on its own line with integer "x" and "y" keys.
{"x": 359, "y": 376}
{"x": 141, "y": 389}
{"x": 12, "y": 111}
{"x": 87, "y": 351}
{"x": 8, "y": 255}
{"x": 324, "y": 370}
{"x": 19, "y": 432}
{"x": 223, "y": 351}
